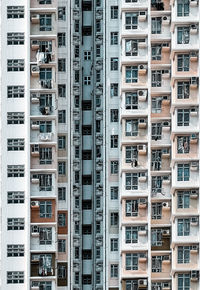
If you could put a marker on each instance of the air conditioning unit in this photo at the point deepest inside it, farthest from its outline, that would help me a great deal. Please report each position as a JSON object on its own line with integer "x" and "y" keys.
{"x": 35, "y": 44}
{"x": 194, "y": 247}
{"x": 35, "y": 18}
{"x": 194, "y": 275}
{"x": 166, "y": 20}
{"x": 142, "y": 95}
{"x": 166, "y": 124}
{"x": 193, "y": 55}
{"x": 35, "y": 98}
{"x": 166, "y": 232}
{"x": 165, "y": 47}
{"x": 142, "y": 201}
{"x": 165, "y": 204}
{"x": 35, "y": 70}
{"x": 165, "y": 73}
{"x": 142, "y": 283}
{"x": 142, "y": 124}
{"x": 193, "y": 29}
{"x": 35, "y": 203}
{"x": 194, "y": 220}
{"x": 142, "y": 16}
{"x": 193, "y": 3}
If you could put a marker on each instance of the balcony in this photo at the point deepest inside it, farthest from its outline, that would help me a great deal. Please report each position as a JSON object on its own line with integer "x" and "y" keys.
{"x": 43, "y": 238}
{"x": 42, "y": 265}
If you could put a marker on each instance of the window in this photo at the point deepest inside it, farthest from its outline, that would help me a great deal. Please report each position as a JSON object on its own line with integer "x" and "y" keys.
{"x": 114, "y": 63}
{"x": 61, "y": 13}
{"x": 156, "y": 184}
{"x": 114, "y": 167}
{"x": 183, "y": 117}
{"x": 15, "y": 65}
{"x": 45, "y": 155}
{"x": 131, "y": 21}
{"x": 156, "y": 25}
{"x": 87, "y": 280}
{"x": 61, "y": 39}
{"x": 15, "y": 144}
{"x": 183, "y": 35}
{"x": 15, "y": 277}
{"x": 61, "y": 219}
{"x": 131, "y": 47}
{"x": 15, "y": 118}
{"x": 131, "y": 74}
{"x": 15, "y": 38}
{"x": 114, "y": 245}
{"x": 184, "y": 281}
{"x": 45, "y": 236}
{"x": 131, "y": 261}
{"x": 131, "y": 235}
{"x": 61, "y": 64}
{"x": 61, "y": 142}
{"x": 131, "y": 154}
{"x": 183, "y": 199}
{"x": 131, "y": 127}
{"x": 183, "y": 254}
{"x": 45, "y": 22}
{"x": 131, "y": 101}
{"x": 15, "y": 171}
{"x": 15, "y": 91}
{"x": 113, "y": 90}
{"x": 15, "y": 12}
{"x": 114, "y": 191}
{"x": 62, "y": 91}
{"x": 87, "y": 81}
{"x": 114, "y": 115}
{"x": 15, "y": 196}
{"x": 183, "y": 62}
{"x": 183, "y": 144}
{"x": 114, "y": 141}
{"x": 156, "y": 51}
{"x": 45, "y": 2}
{"x": 15, "y": 250}
{"x": 45, "y": 209}
{"x": 62, "y": 271}
{"x": 45, "y": 182}
{"x": 156, "y": 159}
{"x": 132, "y": 208}
{"x": 61, "y": 168}
{"x": 87, "y": 229}
{"x": 183, "y": 227}
{"x": 131, "y": 181}
{"x": 114, "y": 270}
{"x": 61, "y": 116}
{"x": 156, "y": 105}
{"x": 114, "y": 12}
{"x": 156, "y": 131}
{"x": 14, "y": 224}
{"x": 156, "y": 237}
{"x": 156, "y": 264}
{"x": 183, "y": 172}
{"x": 131, "y": 284}
{"x": 62, "y": 193}
{"x": 62, "y": 246}
{"x": 156, "y": 78}
{"x": 114, "y": 219}
{"x": 156, "y": 213}
{"x": 183, "y": 90}
{"x": 87, "y": 130}
{"x": 114, "y": 38}
{"x": 183, "y": 8}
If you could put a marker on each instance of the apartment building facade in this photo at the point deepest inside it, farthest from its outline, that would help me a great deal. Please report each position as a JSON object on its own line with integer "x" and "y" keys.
{"x": 100, "y": 143}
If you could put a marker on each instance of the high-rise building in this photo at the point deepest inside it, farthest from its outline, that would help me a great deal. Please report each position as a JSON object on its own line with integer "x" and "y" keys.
{"x": 99, "y": 122}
